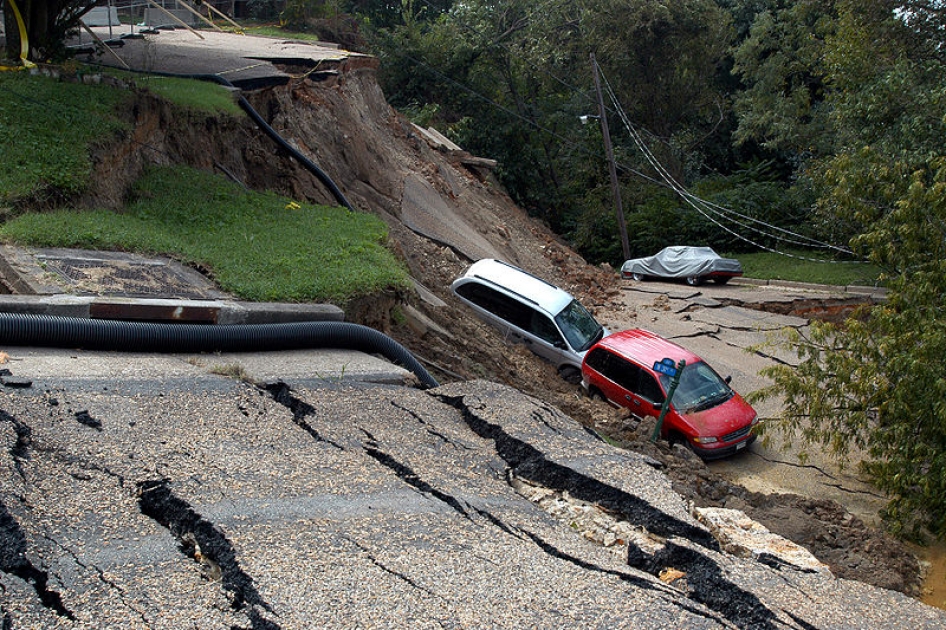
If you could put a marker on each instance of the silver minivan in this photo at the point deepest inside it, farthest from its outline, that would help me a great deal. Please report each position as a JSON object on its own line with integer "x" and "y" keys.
{"x": 531, "y": 311}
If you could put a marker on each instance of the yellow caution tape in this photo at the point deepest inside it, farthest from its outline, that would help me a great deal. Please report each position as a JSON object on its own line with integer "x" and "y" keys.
{"x": 24, "y": 40}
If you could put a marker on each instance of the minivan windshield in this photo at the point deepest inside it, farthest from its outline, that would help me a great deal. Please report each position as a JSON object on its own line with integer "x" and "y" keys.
{"x": 700, "y": 388}
{"x": 579, "y": 327}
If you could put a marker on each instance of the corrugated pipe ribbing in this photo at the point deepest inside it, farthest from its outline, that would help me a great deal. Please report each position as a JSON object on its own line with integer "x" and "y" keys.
{"x": 100, "y": 334}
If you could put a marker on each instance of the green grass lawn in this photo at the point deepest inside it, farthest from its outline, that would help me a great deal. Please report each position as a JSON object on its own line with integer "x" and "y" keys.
{"x": 804, "y": 266}
{"x": 47, "y": 128}
{"x": 258, "y": 246}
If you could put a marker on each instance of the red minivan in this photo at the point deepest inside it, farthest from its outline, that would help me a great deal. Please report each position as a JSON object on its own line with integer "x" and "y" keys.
{"x": 705, "y": 412}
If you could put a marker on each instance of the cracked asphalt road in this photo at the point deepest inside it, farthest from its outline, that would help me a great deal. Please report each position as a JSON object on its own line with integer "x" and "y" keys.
{"x": 159, "y": 495}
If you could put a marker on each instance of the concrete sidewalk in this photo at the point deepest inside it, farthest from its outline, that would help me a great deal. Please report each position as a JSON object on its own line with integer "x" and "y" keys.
{"x": 119, "y": 285}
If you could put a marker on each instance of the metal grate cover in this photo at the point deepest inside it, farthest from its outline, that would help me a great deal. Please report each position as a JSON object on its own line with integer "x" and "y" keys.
{"x": 122, "y": 277}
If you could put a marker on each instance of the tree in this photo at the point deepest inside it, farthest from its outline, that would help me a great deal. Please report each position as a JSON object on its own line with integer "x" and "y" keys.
{"x": 509, "y": 80}
{"x": 876, "y": 385}
{"x": 46, "y": 24}
{"x": 783, "y": 103}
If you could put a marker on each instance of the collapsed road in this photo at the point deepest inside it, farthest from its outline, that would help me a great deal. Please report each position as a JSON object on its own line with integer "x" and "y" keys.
{"x": 157, "y": 492}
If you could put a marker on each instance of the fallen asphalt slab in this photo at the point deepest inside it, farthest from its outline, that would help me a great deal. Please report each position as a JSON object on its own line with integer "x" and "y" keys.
{"x": 156, "y": 495}
{"x": 244, "y": 60}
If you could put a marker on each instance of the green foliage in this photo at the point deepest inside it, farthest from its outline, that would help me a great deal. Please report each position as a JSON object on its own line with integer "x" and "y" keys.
{"x": 257, "y": 245}
{"x": 262, "y": 9}
{"x": 875, "y": 386}
{"x": 781, "y": 63}
{"x": 875, "y": 389}
{"x": 510, "y": 82}
{"x": 49, "y": 154}
{"x": 297, "y": 14}
{"x": 47, "y": 23}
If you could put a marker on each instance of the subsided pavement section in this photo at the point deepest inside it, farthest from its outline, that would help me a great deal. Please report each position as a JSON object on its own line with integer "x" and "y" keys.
{"x": 214, "y": 502}
{"x": 733, "y": 327}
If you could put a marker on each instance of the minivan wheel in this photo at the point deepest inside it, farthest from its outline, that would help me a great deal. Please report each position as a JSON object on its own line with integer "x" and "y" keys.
{"x": 694, "y": 281}
{"x": 571, "y": 374}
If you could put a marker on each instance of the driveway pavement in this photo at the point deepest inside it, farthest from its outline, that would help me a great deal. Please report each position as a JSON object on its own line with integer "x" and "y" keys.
{"x": 244, "y": 60}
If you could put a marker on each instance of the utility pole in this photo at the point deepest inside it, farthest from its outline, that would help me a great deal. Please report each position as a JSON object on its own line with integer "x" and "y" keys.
{"x": 612, "y": 168}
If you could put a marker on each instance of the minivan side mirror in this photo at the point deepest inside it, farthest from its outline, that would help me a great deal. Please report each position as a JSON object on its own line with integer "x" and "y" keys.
{"x": 728, "y": 379}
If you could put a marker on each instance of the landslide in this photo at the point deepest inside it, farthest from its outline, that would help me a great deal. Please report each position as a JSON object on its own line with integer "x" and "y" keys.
{"x": 443, "y": 210}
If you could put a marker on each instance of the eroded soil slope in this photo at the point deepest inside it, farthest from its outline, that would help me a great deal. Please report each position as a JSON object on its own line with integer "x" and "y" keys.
{"x": 442, "y": 213}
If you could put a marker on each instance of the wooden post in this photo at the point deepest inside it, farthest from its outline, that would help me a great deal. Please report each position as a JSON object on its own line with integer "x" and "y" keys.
{"x": 98, "y": 40}
{"x": 612, "y": 168}
{"x": 174, "y": 17}
{"x": 183, "y": 4}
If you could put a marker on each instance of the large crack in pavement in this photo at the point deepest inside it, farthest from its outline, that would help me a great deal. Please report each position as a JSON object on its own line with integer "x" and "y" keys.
{"x": 526, "y": 458}
{"x": 207, "y": 545}
{"x": 24, "y": 438}
{"x": 14, "y": 542}
{"x": 706, "y": 583}
{"x": 14, "y": 561}
{"x": 282, "y": 394}
{"x": 624, "y": 577}
{"x": 825, "y": 309}
{"x": 529, "y": 463}
{"x": 13, "y": 546}
{"x": 406, "y": 474}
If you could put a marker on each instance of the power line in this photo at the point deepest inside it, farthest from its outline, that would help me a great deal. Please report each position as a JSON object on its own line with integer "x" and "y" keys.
{"x": 703, "y": 207}
{"x": 534, "y": 125}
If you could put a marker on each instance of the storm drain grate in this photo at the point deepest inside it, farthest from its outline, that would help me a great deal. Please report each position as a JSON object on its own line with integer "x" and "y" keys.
{"x": 119, "y": 277}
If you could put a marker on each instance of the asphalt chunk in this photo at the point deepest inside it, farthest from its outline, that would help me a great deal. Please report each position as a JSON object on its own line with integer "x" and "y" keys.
{"x": 85, "y": 419}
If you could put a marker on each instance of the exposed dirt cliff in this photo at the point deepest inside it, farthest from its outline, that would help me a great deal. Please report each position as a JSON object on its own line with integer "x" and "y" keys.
{"x": 444, "y": 210}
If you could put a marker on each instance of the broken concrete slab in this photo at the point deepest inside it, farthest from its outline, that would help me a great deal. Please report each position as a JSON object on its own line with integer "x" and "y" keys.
{"x": 54, "y": 270}
{"x": 424, "y": 211}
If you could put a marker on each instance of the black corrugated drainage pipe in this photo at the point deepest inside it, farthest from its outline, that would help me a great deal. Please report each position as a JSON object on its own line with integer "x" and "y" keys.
{"x": 99, "y": 334}
{"x": 309, "y": 165}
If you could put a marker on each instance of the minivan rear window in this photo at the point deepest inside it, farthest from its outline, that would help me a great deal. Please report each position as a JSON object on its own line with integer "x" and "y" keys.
{"x": 499, "y": 304}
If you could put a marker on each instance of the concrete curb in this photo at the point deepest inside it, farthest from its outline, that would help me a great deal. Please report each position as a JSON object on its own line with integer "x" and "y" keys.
{"x": 169, "y": 310}
{"x": 874, "y": 292}
{"x": 39, "y": 290}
